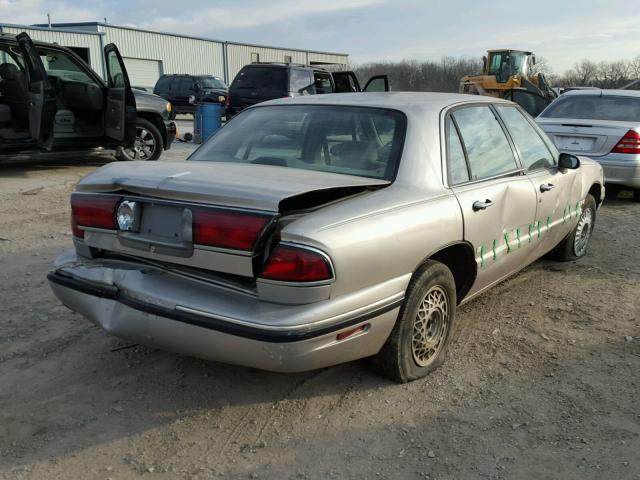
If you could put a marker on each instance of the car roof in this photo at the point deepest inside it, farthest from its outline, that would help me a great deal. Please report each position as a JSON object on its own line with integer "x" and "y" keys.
{"x": 284, "y": 65}
{"x": 603, "y": 92}
{"x": 403, "y": 101}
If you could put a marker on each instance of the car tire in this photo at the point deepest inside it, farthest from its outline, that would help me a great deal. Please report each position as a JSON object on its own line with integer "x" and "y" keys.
{"x": 418, "y": 342}
{"x": 574, "y": 246}
{"x": 147, "y": 135}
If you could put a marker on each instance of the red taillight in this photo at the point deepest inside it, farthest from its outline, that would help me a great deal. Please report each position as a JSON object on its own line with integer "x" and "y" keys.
{"x": 227, "y": 229}
{"x": 630, "y": 143}
{"x": 293, "y": 264}
{"x": 92, "y": 211}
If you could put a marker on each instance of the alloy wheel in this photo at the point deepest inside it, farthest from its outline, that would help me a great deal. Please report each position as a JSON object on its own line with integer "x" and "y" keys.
{"x": 430, "y": 326}
{"x": 583, "y": 232}
{"x": 144, "y": 146}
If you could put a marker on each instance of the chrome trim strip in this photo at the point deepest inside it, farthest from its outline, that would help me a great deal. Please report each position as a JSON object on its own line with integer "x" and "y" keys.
{"x": 381, "y": 304}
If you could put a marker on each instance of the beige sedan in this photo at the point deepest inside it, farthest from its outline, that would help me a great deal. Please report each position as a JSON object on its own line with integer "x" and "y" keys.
{"x": 318, "y": 230}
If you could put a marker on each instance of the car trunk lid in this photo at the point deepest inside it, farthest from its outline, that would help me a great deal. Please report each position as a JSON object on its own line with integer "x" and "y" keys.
{"x": 211, "y": 216}
{"x": 594, "y": 138}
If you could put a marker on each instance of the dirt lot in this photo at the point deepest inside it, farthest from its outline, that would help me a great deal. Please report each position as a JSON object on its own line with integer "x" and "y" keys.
{"x": 542, "y": 381}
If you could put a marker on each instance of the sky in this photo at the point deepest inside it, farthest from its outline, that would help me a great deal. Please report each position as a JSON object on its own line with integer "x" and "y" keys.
{"x": 562, "y": 32}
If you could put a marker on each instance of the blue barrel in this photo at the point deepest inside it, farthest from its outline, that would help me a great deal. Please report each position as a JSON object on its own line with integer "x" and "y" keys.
{"x": 206, "y": 121}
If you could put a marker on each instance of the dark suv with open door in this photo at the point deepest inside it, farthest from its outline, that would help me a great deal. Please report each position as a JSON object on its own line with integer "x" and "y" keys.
{"x": 51, "y": 100}
{"x": 259, "y": 82}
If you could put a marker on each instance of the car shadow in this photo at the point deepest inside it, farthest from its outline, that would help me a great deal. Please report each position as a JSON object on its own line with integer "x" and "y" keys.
{"x": 19, "y": 165}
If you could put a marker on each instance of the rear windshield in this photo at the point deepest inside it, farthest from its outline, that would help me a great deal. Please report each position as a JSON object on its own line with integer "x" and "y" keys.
{"x": 263, "y": 78}
{"x": 595, "y": 107}
{"x": 366, "y": 142}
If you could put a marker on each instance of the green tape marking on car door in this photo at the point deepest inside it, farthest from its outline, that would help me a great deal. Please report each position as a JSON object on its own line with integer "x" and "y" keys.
{"x": 506, "y": 241}
{"x": 529, "y": 233}
{"x": 482, "y": 255}
{"x": 539, "y": 222}
{"x": 548, "y": 223}
{"x": 518, "y": 236}
{"x": 495, "y": 244}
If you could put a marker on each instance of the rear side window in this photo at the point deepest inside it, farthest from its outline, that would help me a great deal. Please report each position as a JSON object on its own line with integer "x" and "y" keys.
{"x": 457, "y": 171}
{"x": 300, "y": 80}
{"x": 487, "y": 147}
{"x": 185, "y": 84}
{"x": 262, "y": 78}
{"x": 533, "y": 151}
{"x": 163, "y": 84}
{"x": 595, "y": 107}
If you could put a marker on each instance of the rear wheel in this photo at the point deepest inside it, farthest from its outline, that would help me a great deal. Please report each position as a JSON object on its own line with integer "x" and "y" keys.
{"x": 418, "y": 342}
{"x": 148, "y": 144}
{"x": 576, "y": 243}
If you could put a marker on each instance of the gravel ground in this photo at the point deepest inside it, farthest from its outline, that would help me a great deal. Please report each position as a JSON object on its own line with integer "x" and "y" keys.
{"x": 542, "y": 379}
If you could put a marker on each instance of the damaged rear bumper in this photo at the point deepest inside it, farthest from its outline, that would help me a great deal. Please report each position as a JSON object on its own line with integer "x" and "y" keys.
{"x": 157, "y": 308}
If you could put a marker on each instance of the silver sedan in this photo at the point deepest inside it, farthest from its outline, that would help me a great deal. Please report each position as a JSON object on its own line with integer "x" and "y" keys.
{"x": 602, "y": 124}
{"x": 318, "y": 230}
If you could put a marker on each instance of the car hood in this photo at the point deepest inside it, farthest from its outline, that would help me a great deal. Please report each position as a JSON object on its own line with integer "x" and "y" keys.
{"x": 217, "y": 91}
{"x": 263, "y": 187}
{"x": 149, "y": 101}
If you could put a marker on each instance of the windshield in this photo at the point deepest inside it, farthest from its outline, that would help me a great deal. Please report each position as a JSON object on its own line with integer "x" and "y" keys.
{"x": 366, "y": 142}
{"x": 595, "y": 107}
{"x": 505, "y": 64}
{"x": 210, "y": 82}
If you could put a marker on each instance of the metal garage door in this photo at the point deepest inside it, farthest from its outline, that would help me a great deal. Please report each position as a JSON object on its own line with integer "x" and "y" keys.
{"x": 143, "y": 73}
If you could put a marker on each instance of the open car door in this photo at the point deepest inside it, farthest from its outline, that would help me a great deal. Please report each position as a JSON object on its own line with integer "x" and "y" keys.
{"x": 378, "y": 83}
{"x": 120, "y": 114}
{"x": 346, "y": 82}
{"x": 42, "y": 97}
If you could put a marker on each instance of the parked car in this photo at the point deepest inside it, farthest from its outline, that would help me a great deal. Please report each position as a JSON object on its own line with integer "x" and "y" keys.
{"x": 50, "y": 99}
{"x": 185, "y": 91}
{"x": 322, "y": 229}
{"x": 259, "y": 82}
{"x": 603, "y": 124}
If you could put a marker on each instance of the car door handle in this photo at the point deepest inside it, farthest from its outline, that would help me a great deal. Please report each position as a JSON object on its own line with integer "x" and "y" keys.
{"x": 478, "y": 205}
{"x": 545, "y": 187}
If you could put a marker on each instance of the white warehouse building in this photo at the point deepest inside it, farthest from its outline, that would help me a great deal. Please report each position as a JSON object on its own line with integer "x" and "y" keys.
{"x": 148, "y": 54}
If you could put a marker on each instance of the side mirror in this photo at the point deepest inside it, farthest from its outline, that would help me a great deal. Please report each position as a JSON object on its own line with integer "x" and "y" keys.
{"x": 569, "y": 161}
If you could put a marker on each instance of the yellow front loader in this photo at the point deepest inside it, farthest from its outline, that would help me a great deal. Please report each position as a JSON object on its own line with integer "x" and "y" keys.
{"x": 508, "y": 74}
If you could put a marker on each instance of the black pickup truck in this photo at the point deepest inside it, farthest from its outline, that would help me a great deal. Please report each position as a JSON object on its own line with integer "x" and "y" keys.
{"x": 51, "y": 100}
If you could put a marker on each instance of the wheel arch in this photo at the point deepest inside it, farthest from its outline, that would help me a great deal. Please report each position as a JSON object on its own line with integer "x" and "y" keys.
{"x": 459, "y": 258}
{"x": 156, "y": 120}
{"x": 596, "y": 191}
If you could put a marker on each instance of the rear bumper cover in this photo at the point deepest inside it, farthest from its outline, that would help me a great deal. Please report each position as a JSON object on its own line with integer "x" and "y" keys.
{"x": 621, "y": 169}
{"x": 106, "y": 296}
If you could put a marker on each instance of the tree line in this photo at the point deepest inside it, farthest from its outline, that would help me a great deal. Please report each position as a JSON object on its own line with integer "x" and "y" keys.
{"x": 444, "y": 75}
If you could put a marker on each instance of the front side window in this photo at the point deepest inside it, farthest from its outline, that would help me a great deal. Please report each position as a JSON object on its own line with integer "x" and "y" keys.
{"x": 595, "y": 107}
{"x": 456, "y": 162}
{"x": 63, "y": 67}
{"x": 323, "y": 82}
{"x": 533, "y": 151}
{"x": 114, "y": 69}
{"x": 488, "y": 149}
{"x": 359, "y": 141}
